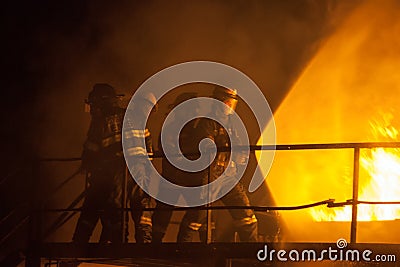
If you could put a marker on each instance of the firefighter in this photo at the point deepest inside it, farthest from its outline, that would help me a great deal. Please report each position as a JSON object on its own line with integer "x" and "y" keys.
{"x": 245, "y": 222}
{"x": 103, "y": 161}
{"x": 163, "y": 212}
{"x": 138, "y": 144}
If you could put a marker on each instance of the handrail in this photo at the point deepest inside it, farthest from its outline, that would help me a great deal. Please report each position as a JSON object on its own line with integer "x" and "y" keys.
{"x": 253, "y": 207}
{"x": 359, "y": 145}
{"x": 330, "y": 203}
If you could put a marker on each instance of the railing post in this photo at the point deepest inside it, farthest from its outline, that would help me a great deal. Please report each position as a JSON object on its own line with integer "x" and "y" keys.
{"x": 208, "y": 229}
{"x": 356, "y": 171}
{"x": 32, "y": 258}
{"x": 125, "y": 214}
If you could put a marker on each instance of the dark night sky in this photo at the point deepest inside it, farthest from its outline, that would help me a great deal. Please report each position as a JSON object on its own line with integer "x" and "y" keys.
{"x": 25, "y": 67}
{"x": 54, "y": 51}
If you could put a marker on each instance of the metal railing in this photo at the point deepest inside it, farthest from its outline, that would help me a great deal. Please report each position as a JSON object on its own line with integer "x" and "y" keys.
{"x": 356, "y": 147}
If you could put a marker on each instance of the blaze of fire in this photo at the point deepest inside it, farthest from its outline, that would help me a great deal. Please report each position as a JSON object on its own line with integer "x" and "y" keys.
{"x": 381, "y": 169}
{"x": 353, "y": 78}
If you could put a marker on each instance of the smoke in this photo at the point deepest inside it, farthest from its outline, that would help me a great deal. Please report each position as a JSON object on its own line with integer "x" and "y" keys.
{"x": 123, "y": 44}
{"x": 75, "y": 45}
{"x": 351, "y": 84}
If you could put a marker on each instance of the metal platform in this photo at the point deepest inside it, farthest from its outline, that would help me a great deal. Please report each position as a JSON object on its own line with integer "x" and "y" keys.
{"x": 219, "y": 254}
{"x": 200, "y": 254}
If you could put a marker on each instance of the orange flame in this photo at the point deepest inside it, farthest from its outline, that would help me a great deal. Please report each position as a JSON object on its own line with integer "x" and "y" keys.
{"x": 380, "y": 182}
{"x": 352, "y": 77}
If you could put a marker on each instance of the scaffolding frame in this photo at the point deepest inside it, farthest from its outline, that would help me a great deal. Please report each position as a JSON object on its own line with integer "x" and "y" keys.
{"x": 39, "y": 250}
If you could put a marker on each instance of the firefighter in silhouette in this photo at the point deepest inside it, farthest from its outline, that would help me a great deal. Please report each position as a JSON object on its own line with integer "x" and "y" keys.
{"x": 245, "y": 222}
{"x": 138, "y": 145}
{"x": 163, "y": 212}
{"x": 102, "y": 159}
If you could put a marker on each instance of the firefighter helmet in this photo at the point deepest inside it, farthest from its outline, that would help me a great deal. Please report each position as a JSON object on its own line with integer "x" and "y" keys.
{"x": 182, "y": 98}
{"x": 228, "y": 96}
{"x": 149, "y": 98}
{"x": 222, "y": 93}
{"x": 101, "y": 92}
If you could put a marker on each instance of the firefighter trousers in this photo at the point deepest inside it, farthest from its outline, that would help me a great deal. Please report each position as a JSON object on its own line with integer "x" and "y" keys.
{"x": 245, "y": 222}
